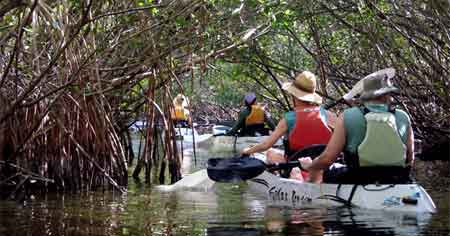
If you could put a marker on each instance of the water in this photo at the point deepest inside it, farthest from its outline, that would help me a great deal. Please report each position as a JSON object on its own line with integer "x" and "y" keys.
{"x": 224, "y": 210}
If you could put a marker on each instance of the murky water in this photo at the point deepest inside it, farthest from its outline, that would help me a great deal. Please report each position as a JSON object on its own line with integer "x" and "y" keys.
{"x": 225, "y": 210}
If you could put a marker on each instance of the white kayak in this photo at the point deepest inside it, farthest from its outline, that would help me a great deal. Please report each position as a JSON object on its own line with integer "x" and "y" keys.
{"x": 233, "y": 143}
{"x": 219, "y": 142}
{"x": 188, "y": 136}
{"x": 279, "y": 191}
{"x": 290, "y": 192}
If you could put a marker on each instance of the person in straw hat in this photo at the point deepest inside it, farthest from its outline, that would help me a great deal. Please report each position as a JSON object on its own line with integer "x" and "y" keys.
{"x": 307, "y": 124}
{"x": 377, "y": 140}
{"x": 252, "y": 119}
{"x": 180, "y": 113}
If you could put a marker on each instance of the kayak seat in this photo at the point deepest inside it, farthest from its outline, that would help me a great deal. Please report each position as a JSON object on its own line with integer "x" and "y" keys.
{"x": 254, "y": 131}
{"x": 181, "y": 124}
{"x": 311, "y": 151}
{"x": 367, "y": 175}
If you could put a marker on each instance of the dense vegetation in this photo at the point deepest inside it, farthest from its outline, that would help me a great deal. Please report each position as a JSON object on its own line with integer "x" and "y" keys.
{"x": 75, "y": 74}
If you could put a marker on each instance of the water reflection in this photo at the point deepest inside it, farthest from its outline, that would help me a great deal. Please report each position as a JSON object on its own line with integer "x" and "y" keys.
{"x": 338, "y": 221}
{"x": 342, "y": 221}
{"x": 227, "y": 209}
{"x": 89, "y": 214}
{"x": 224, "y": 209}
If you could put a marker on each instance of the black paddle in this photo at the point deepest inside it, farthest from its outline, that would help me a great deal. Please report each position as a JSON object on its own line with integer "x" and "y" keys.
{"x": 244, "y": 168}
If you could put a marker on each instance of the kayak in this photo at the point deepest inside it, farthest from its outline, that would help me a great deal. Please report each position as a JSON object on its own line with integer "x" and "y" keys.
{"x": 411, "y": 198}
{"x": 188, "y": 136}
{"x": 233, "y": 143}
{"x": 219, "y": 142}
{"x": 392, "y": 197}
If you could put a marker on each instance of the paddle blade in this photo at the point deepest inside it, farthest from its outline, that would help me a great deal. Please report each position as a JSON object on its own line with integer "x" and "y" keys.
{"x": 234, "y": 169}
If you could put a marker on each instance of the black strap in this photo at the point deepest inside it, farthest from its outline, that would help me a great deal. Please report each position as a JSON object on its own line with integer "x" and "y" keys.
{"x": 338, "y": 189}
{"x": 336, "y": 198}
{"x": 352, "y": 193}
{"x": 364, "y": 110}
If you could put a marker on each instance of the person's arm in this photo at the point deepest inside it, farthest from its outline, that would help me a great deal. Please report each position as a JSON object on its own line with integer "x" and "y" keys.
{"x": 239, "y": 123}
{"x": 269, "y": 121}
{"x": 269, "y": 141}
{"x": 331, "y": 152}
{"x": 410, "y": 148}
{"x": 331, "y": 117}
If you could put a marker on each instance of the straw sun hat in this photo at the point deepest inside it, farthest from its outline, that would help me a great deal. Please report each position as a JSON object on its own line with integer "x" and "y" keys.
{"x": 303, "y": 88}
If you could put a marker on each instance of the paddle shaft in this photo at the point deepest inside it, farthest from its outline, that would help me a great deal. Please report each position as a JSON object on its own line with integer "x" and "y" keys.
{"x": 244, "y": 167}
{"x": 280, "y": 166}
{"x": 334, "y": 103}
{"x": 356, "y": 89}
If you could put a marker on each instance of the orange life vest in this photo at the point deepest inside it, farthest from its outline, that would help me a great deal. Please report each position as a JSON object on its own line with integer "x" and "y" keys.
{"x": 256, "y": 116}
{"x": 309, "y": 129}
{"x": 180, "y": 113}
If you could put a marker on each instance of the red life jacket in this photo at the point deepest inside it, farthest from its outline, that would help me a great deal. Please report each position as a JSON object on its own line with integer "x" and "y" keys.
{"x": 309, "y": 129}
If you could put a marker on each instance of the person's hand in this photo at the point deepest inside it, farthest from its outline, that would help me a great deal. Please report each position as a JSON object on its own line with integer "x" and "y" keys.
{"x": 246, "y": 151}
{"x": 305, "y": 162}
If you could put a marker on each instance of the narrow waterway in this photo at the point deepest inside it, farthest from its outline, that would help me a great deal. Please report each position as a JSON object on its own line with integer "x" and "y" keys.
{"x": 223, "y": 209}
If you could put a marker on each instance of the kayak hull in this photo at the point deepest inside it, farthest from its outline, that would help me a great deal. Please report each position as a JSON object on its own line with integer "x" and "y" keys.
{"x": 224, "y": 143}
{"x": 293, "y": 193}
{"x": 188, "y": 137}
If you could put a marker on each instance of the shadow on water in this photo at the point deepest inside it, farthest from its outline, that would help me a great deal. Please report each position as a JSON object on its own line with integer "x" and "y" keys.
{"x": 233, "y": 231}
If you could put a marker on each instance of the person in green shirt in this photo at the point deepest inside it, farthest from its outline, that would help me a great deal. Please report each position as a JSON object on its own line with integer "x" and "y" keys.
{"x": 252, "y": 119}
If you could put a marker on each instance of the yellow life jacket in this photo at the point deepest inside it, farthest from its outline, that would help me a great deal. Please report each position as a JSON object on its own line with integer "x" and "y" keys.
{"x": 180, "y": 113}
{"x": 256, "y": 116}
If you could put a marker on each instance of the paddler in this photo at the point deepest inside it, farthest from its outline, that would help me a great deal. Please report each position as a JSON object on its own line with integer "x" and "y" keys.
{"x": 180, "y": 113}
{"x": 307, "y": 124}
{"x": 377, "y": 140}
{"x": 252, "y": 119}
